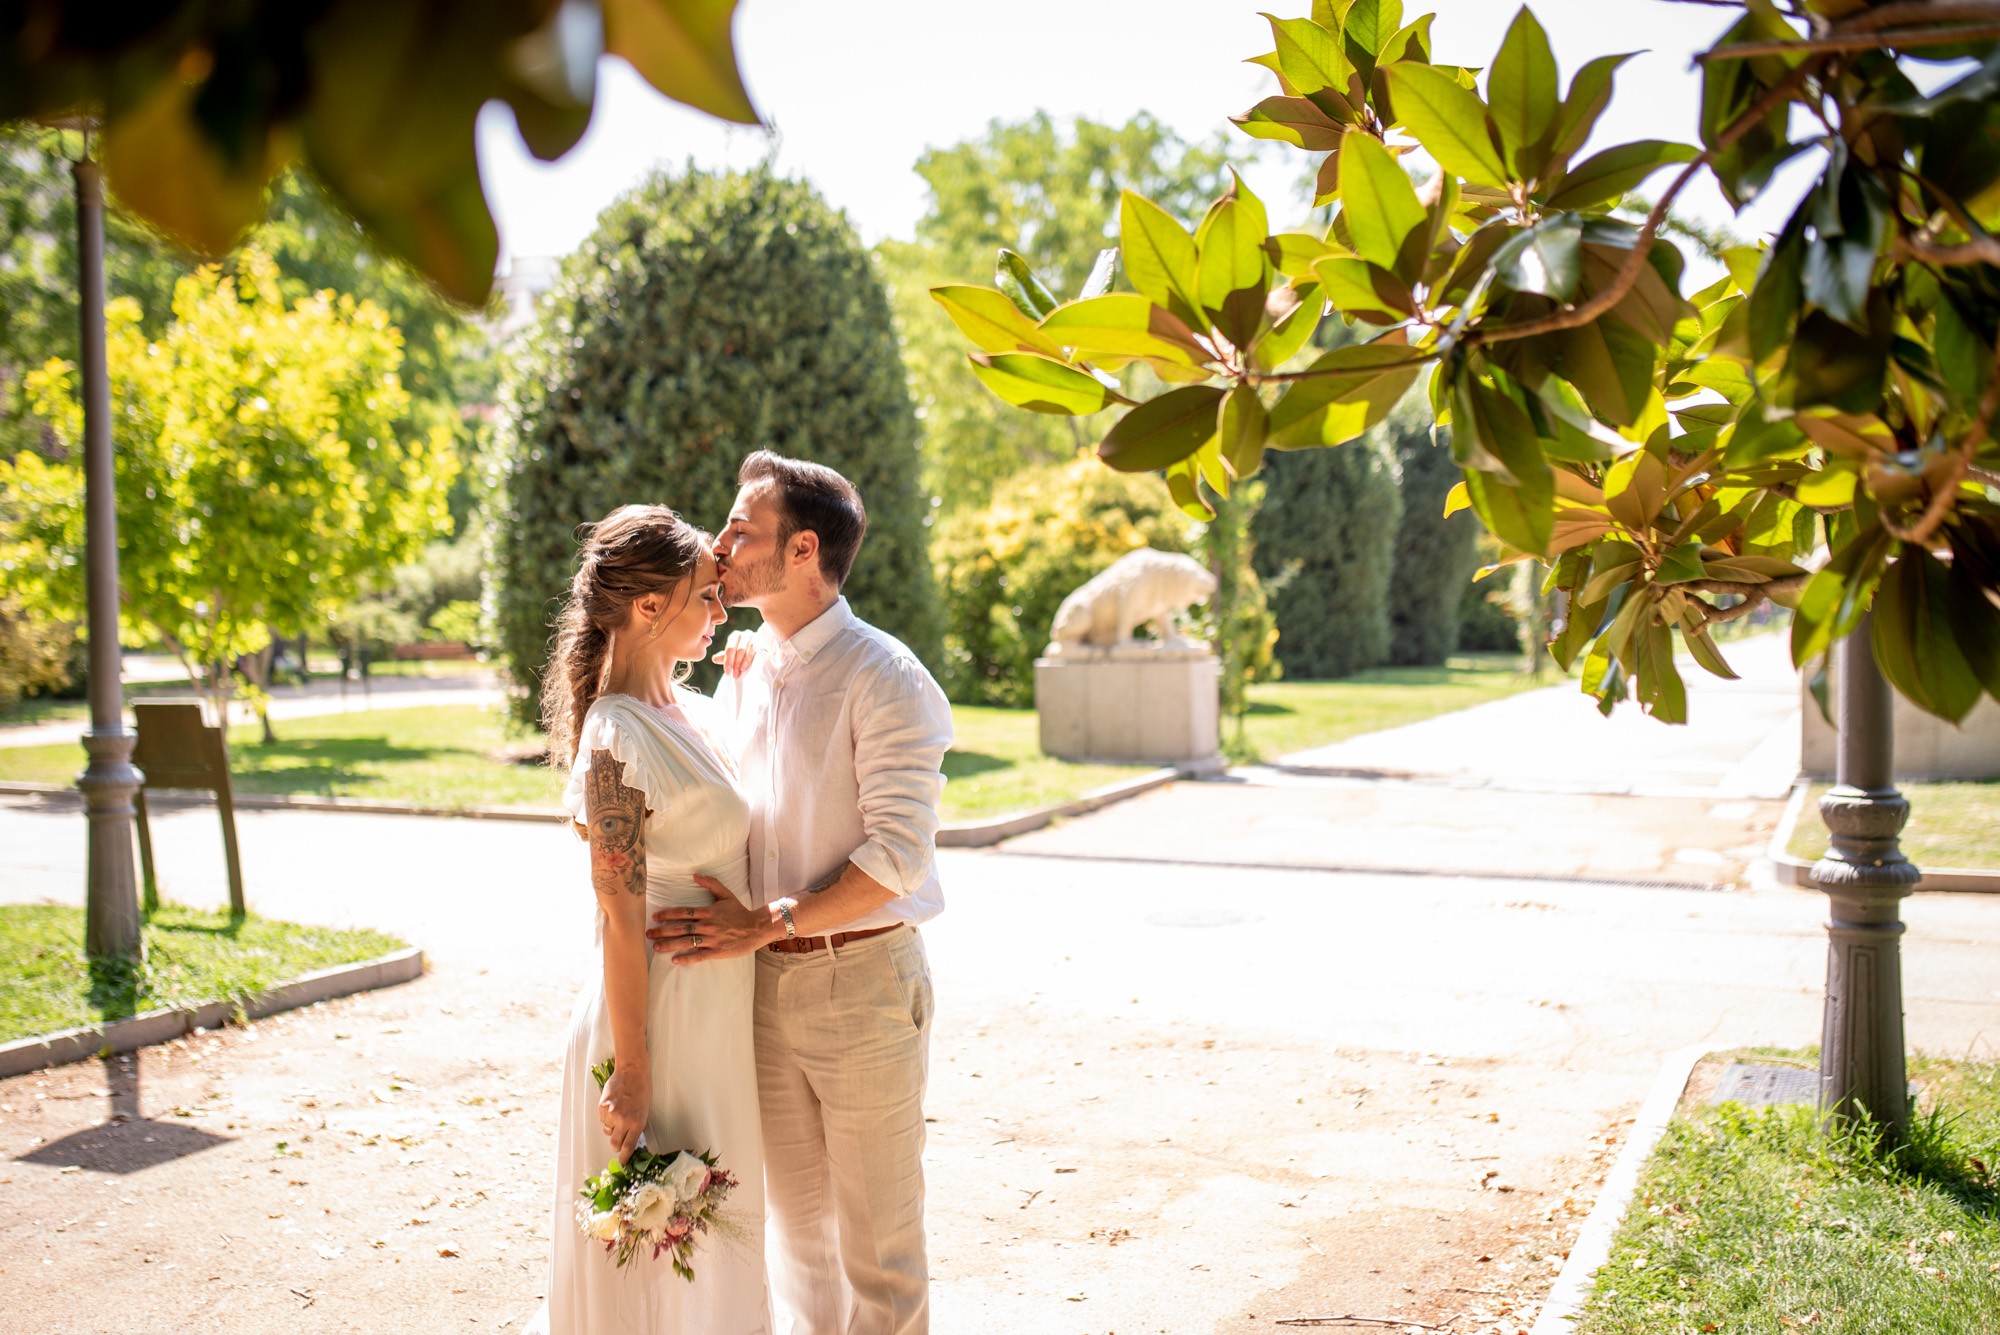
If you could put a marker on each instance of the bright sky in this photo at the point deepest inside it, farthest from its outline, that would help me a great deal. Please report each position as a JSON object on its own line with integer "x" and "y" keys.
{"x": 858, "y": 91}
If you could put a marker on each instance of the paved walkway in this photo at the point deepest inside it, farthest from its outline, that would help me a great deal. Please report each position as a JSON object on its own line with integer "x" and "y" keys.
{"x": 1389, "y": 1093}
{"x": 314, "y": 699}
{"x": 1741, "y": 739}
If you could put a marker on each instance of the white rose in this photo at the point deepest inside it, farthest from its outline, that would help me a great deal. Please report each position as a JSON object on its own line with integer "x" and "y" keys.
{"x": 685, "y": 1176}
{"x": 604, "y": 1227}
{"x": 651, "y": 1207}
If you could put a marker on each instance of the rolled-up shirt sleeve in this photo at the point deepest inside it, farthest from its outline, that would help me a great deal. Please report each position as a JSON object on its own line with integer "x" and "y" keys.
{"x": 902, "y": 728}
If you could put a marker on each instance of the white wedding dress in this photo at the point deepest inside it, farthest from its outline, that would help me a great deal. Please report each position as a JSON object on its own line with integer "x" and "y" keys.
{"x": 698, "y": 1031}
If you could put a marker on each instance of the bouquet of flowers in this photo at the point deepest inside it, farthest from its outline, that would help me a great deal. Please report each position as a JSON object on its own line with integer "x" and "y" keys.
{"x": 664, "y": 1202}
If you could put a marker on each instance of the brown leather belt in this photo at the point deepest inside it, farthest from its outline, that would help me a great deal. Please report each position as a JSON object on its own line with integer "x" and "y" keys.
{"x": 805, "y": 945}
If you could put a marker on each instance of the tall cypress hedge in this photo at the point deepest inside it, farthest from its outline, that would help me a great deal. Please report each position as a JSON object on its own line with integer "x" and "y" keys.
{"x": 1326, "y": 549}
{"x": 1435, "y": 556}
{"x": 709, "y": 315}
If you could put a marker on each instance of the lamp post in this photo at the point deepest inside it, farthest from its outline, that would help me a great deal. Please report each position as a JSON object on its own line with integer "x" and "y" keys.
{"x": 109, "y": 781}
{"x": 1865, "y": 877}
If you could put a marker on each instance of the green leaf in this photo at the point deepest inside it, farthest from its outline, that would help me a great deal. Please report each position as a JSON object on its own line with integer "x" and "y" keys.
{"x": 1914, "y": 639}
{"x": 1702, "y": 645}
{"x": 1240, "y": 430}
{"x": 1604, "y": 177}
{"x": 991, "y": 321}
{"x": 1013, "y": 277}
{"x": 1661, "y": 691}
{"x": 1448, "y": 121}
{"x": 1377, "y": 200}
{"x": 1356, "y": 286}
{"x": 1160, "y": 257}
{"x": 1635, "y": 489}
{"x": 1231, "y": 270}
{"x": 1278, "y": 344}
{"x": 684, "y": 49}
{"x": 1163, "y": 430}
{"x": 1976, "y": 622}
{"x": 1680, "y": 564}
{"x": 1544, "y": 259}
{"x": 1102, "y": 271}
{"x": 1411, "y": 42}
{"x": 1834, "y": 599}
{"x": 1123, "y": 324}
{"x": 1779, "y": 290}
{"x": 1369, "y": 26}
{"x": 1309, "y": 56}
{"x": 1297, "y": 121}
{"x": 1352, "y": 389}
{"x": 1589, "y": 94}
{"x": 1611, "y": 366}
{"x": 1521, "y": 90}
{"x": 1963, "y": 359}
{"x": 1294, "y": 253}
{"x": 1517, "y": 505}
{"x": 1181, "y": 486}
{"x": 1042, "y": 384}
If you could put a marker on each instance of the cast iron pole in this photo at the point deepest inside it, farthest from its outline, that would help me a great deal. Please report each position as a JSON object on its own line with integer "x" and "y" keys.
{"x": 1865, "y": 877}
{"x": 109, "y": 780}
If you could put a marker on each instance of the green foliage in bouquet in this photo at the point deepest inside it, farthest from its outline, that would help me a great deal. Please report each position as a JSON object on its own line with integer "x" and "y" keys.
{"x": 709, "y": 315}
{"x": 1811, "y": 429}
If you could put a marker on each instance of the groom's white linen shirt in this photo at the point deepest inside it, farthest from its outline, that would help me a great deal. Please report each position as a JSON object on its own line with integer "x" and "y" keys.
{"x": 839, "y": 738}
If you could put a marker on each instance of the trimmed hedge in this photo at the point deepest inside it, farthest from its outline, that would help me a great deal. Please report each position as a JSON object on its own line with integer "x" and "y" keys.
{"x": 1435, "y": 556}
{"x": 1326, "y": 550}
{"x": 709, "y": 315}
{"x": 1004, "y": 569}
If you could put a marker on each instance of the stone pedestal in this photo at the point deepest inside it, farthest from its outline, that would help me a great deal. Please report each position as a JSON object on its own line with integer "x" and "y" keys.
{"x": 1137, "y": 702}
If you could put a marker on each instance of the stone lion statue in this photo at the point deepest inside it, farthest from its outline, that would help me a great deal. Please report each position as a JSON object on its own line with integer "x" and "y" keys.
{"x": 1139, "y": 588}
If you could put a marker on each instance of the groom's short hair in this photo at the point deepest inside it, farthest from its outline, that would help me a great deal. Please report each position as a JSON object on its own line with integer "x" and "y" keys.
{"x": 812, "y": 498}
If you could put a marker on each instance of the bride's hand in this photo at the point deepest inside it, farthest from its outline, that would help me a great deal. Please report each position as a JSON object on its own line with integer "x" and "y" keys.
{"x": 739, "y": 653}
{"x": 622, "y": 1108}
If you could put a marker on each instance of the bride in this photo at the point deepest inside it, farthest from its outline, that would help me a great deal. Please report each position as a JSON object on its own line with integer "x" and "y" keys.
{"x": 651, "y": 792}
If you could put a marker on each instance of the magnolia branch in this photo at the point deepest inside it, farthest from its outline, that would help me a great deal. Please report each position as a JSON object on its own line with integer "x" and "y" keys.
{"x": 1752, "y": 594}
{"x": 1860, "y": 41}
{"x": 1604, "y": 299}
{"x": 1979, "y": 250}
{"x": 1944, "y": 493}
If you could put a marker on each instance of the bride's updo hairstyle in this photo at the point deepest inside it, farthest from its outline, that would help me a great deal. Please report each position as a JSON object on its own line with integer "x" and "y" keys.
{"x": 631, "y": 552}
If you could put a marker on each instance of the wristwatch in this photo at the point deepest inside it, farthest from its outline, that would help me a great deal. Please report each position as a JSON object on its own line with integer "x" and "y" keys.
{"x": 784, "y": 908}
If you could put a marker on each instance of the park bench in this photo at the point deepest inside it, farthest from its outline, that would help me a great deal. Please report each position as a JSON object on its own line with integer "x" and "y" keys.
{"x": 177, "y": 749}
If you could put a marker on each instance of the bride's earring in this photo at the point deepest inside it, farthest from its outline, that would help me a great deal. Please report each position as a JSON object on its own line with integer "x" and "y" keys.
{"x": 659, "y": 624}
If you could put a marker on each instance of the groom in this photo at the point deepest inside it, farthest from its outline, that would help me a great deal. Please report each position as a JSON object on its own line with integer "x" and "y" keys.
{"x": 840, "y": 735}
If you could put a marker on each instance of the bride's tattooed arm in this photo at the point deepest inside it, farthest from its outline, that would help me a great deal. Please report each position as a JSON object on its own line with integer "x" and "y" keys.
{"x": 617, "y": 817}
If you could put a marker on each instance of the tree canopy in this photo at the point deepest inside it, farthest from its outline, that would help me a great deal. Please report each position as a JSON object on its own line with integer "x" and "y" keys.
{"x": 201, "y": 104}
{"x": 261, "y": 476}
{"x": 1813, "y": 428}
{"x": 1050, "y": 191}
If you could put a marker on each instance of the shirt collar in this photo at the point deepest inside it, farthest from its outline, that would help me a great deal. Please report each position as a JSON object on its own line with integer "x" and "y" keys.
{"x": 817, "y": 633}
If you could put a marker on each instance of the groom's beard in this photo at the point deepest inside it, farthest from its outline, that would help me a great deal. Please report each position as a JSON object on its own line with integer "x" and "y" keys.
{"x": 742, "y": 583}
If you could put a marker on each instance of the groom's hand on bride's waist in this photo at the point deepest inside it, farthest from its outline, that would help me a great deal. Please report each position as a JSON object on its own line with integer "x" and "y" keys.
{"x": 719, "y": 931}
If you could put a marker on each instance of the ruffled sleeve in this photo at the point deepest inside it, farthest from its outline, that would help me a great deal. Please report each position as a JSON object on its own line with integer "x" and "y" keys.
{"x": 609, "y": 727}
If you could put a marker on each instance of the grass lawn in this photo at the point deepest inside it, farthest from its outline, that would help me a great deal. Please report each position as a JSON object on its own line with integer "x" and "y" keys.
{"x": 447, "y": 755}
{"x": 192, "y": 957}
{"x": 1288, "y": 716}
{"x": 1953, "y": 825}
{"x": 1760, "y": 1221}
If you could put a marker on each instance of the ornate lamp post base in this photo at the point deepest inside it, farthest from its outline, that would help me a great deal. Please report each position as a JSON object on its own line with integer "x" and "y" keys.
{"x": 1865, "y": 877}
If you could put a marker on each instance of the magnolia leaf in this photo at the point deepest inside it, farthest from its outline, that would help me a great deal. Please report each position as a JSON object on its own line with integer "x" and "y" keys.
{"x": 684, "y": 49}
{"x": 1102, "y": 271}
{"x": 1448, "y": 121}
{"x": 1604, "y": 177}
{"x": 1123, "y": 324}
{"x": 1702, "y": 646}
{"x": 1162, "y": 430}
{"x": 1240, "y": 430}
{"x": 1544, "y": 259}
{"x": 1042, "y": 384}
{"x": 1231, "y": 270}
{"x": 1377, "y": 200}
{"x": 1356, "y": 287}
{"x": 1350, "y": 390}
{"x": 1521, "y": 89}
{"x": 1589, "y": 94}
{"x": 1159, "y": 256}
{"x": 1914, "y": 639}
{"x": 992, "y": 321}
{"x": 1181, "y": 486}
{"x": 1309, "y": 56}
{"x": 1298, "y": 121}
{"x": 1835, "y": 598}
{"x": 1013, "y": 277}
{"x": 1290, "y": 332}
{"x": 1635, "y": 489}
{"x": 1293, "y": 254}
{"x": 1456, "y": 499}
{"x": 163, "y": 166}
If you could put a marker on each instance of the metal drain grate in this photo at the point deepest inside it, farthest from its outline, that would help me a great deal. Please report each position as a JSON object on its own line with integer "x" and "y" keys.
{"x": 1759, "y": 1086}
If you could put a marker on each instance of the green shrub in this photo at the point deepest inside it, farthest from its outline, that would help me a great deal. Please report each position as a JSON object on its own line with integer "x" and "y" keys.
{"x": 1325, "y": 548}
{"x": 1004, "y": 569}
{"x": 709, "y": 315}
{"x": 1435, "y": 555}
{"x": 37, "y": 656}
